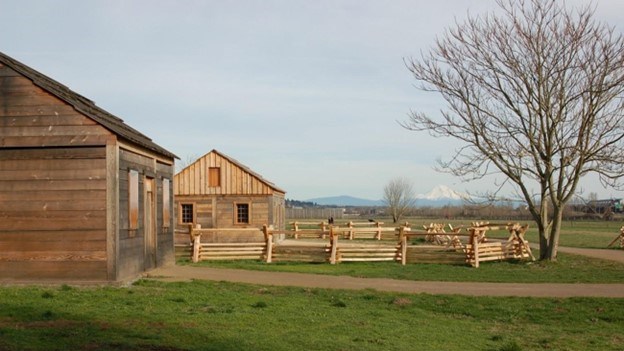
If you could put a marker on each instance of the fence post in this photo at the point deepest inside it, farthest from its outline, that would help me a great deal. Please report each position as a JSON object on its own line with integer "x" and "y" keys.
{"x": 403, "y": 245}
{"x": 378, "y": 235}
{"x": 334, "y": 245}
{"x": 268, "y": 239}
{"x": 350, "y": 230}
{"x": 322, "y": 225}
{"x": 196, "y": 247}
{"x": 475, "y": 248}
{"x": 296, "y": 227}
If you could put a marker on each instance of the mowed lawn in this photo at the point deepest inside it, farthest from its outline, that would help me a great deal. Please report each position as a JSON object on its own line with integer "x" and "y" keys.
{"x": 201, "y": 315}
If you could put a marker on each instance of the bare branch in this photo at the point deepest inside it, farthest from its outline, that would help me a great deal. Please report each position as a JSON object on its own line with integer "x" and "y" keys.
{"x": 536, "y": 94}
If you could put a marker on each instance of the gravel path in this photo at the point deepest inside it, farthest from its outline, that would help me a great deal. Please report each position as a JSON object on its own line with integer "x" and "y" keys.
{"x": 187, "y": 273}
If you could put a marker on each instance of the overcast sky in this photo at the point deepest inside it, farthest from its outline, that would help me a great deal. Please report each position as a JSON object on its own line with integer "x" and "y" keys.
{"x": 306, "y": 93}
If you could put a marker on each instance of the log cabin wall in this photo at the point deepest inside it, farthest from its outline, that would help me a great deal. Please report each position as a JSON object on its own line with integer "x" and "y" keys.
{"x": 52, "y": 186}
{"x": 133, "y": 251}
{"x": 62, "y": 163}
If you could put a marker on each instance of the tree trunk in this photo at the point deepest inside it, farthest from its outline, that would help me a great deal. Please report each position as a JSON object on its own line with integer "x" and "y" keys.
{"x": 549, "y": 231}
{"x": 542, "y": 226}
{"x": 555, "y": 231}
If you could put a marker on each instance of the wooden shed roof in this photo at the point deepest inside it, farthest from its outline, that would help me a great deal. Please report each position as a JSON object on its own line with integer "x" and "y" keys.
{"x": 85, "y": 106}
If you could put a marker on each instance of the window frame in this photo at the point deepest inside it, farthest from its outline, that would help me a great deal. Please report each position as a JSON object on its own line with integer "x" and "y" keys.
{"x": 214, "y": 177}
{"x": 181, "y": 213}
{"x": 166, "y": 203}
{"x": 133, "y": 201}
{"x": 237, "y": 214}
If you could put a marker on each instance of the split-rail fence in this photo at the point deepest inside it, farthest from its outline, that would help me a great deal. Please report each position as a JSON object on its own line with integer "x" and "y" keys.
{"x": 467, "y": 247}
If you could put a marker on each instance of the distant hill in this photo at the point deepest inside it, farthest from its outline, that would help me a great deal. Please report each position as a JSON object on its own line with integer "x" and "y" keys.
{"x": 345, "y": 200}
{"x": 439, "y": 196}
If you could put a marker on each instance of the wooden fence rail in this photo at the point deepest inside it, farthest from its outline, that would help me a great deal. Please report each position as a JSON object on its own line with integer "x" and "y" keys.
{"x": 477, "y": 249}
{"x": 619, "y": 238}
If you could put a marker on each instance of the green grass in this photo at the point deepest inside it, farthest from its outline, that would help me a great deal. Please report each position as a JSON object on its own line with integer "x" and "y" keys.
{"x": 568, "y": 269}
{"x": 224, "y": 316}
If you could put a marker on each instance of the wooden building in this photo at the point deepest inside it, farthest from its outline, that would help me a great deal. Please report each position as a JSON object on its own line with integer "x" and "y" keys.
{"x": 83, "y": 196}
{"x": 216, "y": 191}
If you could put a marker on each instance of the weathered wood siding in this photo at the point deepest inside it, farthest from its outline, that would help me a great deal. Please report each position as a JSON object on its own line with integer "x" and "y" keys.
{"x": 193, "y": 180}
{"x": 53, "y": 213}
{"x": 53, "y": 192}
{"x": 30, "y": 116}
{"x": 132, "y": 246}
{"x": 214, "y": 198}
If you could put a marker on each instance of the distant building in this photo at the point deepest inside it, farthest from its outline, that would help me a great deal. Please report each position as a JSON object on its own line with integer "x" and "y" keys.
{"x": 216, "y": 191}
{"x": 604, "y": 206}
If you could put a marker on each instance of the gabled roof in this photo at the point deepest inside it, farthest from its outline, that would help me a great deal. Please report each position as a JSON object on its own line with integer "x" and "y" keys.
{"x": 248, "y": 170}
{"x": 85, "y": 106}
{"x": 192, "y": 180}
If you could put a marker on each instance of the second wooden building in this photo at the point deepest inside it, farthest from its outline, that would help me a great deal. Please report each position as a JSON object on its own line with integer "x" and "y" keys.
{"x": 216, "y": 191}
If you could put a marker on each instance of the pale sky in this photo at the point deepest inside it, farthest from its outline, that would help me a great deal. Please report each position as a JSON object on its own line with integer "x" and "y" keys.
{"x": 306, "y": 93}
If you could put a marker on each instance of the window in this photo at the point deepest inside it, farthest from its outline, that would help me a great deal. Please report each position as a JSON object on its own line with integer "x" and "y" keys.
{"x": 166, "y": 203}
{"x": 214, "y": 176}
{"x": 133, "y": 200}
{"x": 242, "y": 213}
{"x": 186, "y": 214}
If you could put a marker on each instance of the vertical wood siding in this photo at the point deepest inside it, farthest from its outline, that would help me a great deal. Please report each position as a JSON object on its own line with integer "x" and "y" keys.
{"x": 194, "y": 180}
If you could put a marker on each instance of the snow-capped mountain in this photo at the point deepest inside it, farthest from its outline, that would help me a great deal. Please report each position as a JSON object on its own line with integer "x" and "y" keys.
{"x": 439, "y": 196}
{"x": 442, "y": 192}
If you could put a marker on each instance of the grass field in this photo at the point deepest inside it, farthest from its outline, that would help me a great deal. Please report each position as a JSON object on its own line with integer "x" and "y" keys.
{"x": 200, "y": 315}
{"x": 223, "y": 316}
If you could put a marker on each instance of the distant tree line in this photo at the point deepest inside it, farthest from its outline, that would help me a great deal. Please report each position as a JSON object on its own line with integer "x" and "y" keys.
{"x": 297, "y": 203}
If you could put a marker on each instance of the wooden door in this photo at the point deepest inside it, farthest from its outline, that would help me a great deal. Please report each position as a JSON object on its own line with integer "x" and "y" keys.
{"x": 150, "y": 223}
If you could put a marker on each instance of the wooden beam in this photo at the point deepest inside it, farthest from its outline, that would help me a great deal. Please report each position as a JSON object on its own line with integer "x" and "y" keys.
{"x": 112, "y": 210}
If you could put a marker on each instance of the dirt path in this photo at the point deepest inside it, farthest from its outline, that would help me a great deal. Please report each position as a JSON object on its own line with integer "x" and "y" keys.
{"x": 187, "y": 273}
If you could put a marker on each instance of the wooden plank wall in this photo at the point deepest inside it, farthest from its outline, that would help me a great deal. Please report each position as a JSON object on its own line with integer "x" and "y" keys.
{"x": 30, "y": 116}
{"x": 53, "y": 213}
{"x": 52, "y": 187}
{"x": 131, "y": 260}
{"x": 193, "y": 180}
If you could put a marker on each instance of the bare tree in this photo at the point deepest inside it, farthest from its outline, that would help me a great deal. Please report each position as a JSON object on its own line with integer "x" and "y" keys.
{"x": 399, "y": 197}
{"x": 535, "y": 94}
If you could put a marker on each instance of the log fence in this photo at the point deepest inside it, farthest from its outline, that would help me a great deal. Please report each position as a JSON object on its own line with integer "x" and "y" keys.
{"x": 475, "y": 250}
{"x": 350, "y": 230}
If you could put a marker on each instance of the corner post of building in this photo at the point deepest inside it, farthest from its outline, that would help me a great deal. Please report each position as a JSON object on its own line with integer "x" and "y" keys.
{"x": 112, "y": 208}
